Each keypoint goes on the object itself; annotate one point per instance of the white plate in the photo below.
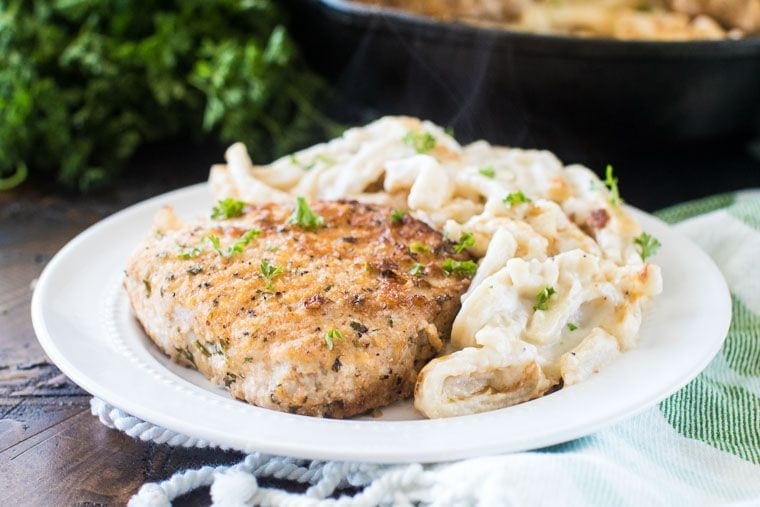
(82, 319)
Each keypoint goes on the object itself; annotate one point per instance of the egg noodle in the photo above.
(561, 282)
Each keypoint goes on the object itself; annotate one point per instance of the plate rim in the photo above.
(454, 450)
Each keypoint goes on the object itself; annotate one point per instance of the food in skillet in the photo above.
(328, 310)
(622, 19)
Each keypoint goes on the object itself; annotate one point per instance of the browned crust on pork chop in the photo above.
(267, 343)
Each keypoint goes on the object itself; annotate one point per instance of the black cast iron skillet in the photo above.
(568, 94)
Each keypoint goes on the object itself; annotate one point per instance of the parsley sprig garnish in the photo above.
(571, 326)
(542, 298)
(418, 269)
(305, 217)
(422, 142)
(190, 253)
(515, 198)
(612, 184)
(648, 245)
(227, 208)
(419, 248)
(241, 243)
(397, 216)
(466, 240)
(216, 244)
(463, 268)
(237, 247)
(330, 335)
(270, 272)
(487, 171)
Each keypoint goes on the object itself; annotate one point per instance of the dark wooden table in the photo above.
(52, 451)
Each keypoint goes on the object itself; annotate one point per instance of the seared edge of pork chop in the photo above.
(375, 284)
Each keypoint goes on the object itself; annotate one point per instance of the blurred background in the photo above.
(104, 95)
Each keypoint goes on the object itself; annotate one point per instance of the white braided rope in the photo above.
(237, 485)
(141, 430)
(589, 474)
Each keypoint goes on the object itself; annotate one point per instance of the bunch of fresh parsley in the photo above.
(83, 83)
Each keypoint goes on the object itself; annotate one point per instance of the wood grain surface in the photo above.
(52, 451)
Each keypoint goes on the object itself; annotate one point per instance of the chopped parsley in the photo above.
(227, 208)
(463, 268)
(237, 247)
(203, 350)
(422, 142)
(417, 269)
(330, 335)
(190, 253)
(305, 217)
(612, 184)
(270, 272)
(515, 198)
(397, 216)
(417, 247)
(242, 242)
(216, 243)
(487, 171)
(185, 354)
(571, 326)
(466, 240)
(648, 245)
(542, 298)
(327, 161)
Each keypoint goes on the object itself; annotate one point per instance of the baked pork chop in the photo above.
(330, 311)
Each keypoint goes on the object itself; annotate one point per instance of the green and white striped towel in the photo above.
(701, 446)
